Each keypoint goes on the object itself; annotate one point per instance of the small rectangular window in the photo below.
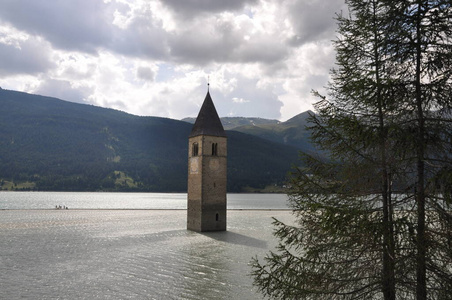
(194, 151)
(215, 149)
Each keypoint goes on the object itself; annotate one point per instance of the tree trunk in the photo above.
(421, 283)
(388, 273)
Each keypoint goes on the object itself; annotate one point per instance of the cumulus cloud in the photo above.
(239, 100)
(142, 36)
(71, 25)
(192, 8)
(145, 73)
(62, 89)
(31, 57)
(242, 93)
(313, 20)
(153, 57)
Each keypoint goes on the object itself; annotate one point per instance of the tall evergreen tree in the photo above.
(354, 237)
(345, 212)
(422, 59)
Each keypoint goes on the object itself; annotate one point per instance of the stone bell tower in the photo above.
(207, 169)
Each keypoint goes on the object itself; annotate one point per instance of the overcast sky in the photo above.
(153, 58)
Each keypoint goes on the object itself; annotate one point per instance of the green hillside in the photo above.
(234, 122)
(292, 132)
(51, 144)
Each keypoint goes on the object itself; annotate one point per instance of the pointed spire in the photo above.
(208, 122)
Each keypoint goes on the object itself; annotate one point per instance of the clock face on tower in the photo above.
(214, 164)
(194, 163)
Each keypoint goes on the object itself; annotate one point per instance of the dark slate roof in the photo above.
(208, 122)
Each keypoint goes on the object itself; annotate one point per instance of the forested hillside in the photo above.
(291, 132)
(51, 144)
(234, 122)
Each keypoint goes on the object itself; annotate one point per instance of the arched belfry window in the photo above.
(194, 150)
(215, 149)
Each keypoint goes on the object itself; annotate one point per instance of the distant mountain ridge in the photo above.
(50, 144)
(233, 122)
(291, 132)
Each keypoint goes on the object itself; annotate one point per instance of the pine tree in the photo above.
(345, 233)
(360, 214)
(422, 57)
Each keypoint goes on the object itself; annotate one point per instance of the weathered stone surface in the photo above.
(207, 173)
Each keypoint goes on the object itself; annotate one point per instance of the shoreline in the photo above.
(136, 209)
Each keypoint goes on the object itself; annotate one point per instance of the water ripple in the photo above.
(128, 255)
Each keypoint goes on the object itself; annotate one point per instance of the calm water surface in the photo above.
(128, 254)
(77, 200)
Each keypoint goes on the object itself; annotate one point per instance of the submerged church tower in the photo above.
(207, 169)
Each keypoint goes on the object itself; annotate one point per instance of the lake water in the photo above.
(126, 251)
(76, 200)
